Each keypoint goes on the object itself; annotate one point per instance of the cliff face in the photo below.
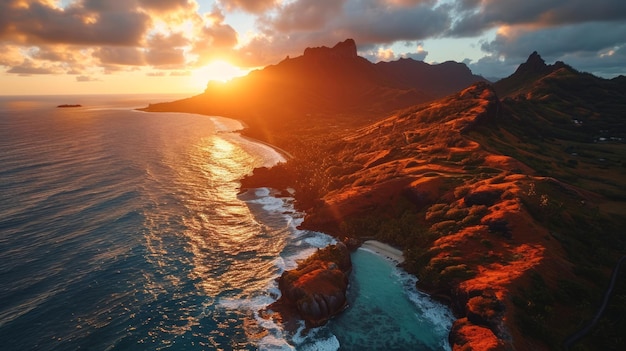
(316, 289)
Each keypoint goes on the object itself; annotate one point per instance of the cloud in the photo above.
(593, 46)
(166, 50)
(492, 67)
(180, 73)
(306, 15)
(129, 56)
(28, 68)
(372, 23)
(111, 35)
(419, 55)
(216, 41)
(557, 41)
(77, 36)
(252, 6)
(167, 5)
(388, 54)
(156, 74)
(473, 17)
(607, 63)
(39, 22)
(82, 79)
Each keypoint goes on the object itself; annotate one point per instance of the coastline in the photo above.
(381, 249)
(387, 251)
(284, 153)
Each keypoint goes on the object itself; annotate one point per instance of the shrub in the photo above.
(460, 271)
(445, 227)
(436, 212)
(457, 214)
(461, 191)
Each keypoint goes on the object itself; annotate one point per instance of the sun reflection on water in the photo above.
(203, 241)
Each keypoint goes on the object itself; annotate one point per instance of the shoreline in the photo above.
(284, 153)
(382, 249)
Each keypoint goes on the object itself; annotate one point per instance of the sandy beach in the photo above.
(384, 250)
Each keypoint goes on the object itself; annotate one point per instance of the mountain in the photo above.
(508, 201)
(436, 80)
(325, 81)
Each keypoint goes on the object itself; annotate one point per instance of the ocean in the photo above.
(126, 230)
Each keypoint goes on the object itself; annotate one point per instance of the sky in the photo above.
(177, 46)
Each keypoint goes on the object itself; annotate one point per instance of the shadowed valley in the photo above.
(508, 199)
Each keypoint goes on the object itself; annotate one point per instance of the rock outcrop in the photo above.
(316, 289)
(344, 49)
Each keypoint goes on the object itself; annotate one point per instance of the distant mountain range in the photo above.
(508, 199)
(328, 80)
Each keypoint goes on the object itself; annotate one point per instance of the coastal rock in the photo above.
(316, 289)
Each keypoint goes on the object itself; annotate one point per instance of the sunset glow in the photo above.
(216, 70)
(76, 46)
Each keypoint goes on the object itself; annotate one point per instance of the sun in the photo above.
(218, 70)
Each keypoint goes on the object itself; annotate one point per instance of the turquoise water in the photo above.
(386, 312)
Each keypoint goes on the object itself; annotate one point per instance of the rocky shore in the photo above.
(315, 291)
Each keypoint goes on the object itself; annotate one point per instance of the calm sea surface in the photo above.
(124, 230)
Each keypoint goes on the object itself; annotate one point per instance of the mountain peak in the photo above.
(344, 49)
(534, 64)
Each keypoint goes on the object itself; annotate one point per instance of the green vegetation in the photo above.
(571, 134)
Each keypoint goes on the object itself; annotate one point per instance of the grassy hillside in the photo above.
(483, 196)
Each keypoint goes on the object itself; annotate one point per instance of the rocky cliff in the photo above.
(315, 291)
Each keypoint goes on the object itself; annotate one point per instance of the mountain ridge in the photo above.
(325, 81)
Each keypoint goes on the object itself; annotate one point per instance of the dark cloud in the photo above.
(305, 15)
(608, 64)
(28, 68)
(372, 23)
(41, 23)
(387, 24)
(474, 17)
(558, 41)
(129, 56)
(595, 47)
